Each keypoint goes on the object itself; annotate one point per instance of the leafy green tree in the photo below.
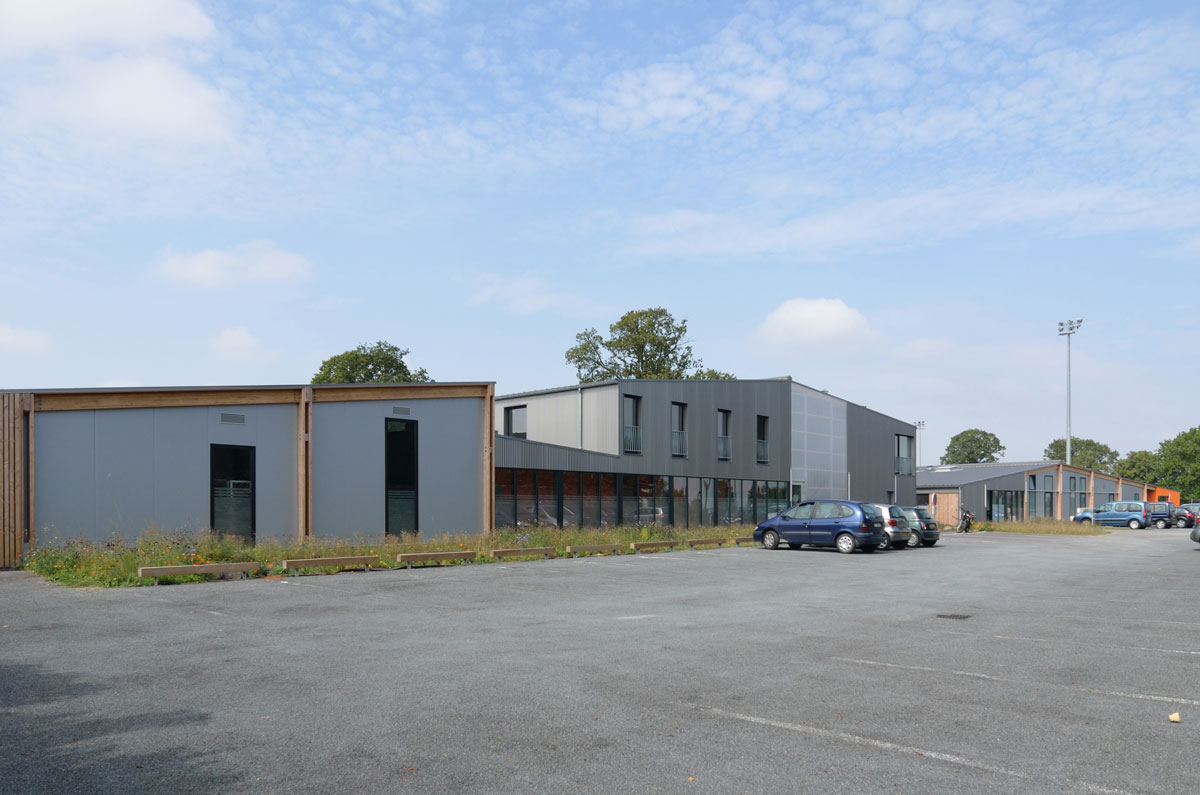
(1179, 464)
(973, 446)
(1086, 453)
(381, 363)
(1137, 465)
(644, 343)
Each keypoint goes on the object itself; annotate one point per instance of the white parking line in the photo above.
(636, 618)
(1060, 640)
(989, 677)
(953, 759)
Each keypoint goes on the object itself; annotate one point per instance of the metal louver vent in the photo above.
(233, 419)
(400, 410)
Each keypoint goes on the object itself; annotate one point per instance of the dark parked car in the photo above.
(1162, 514)
(924, 528)
(895, 524)
(825, 523)
(1185, 515)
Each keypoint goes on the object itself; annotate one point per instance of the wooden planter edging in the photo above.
(638, 546)
(545, 552)
(315, 563)
(197, 568)
(575, 550)
(742, 540)
(714, 542)
(409, 558)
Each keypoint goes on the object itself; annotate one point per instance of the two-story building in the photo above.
(690, 452)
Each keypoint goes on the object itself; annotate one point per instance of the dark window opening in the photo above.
(231, 490)
(631, 430)
(400, 476)
(515, 420)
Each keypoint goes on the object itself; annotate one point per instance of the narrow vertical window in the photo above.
(724, 442)
(760, 440)
(400, 476)
(631, 431)
(679, 440)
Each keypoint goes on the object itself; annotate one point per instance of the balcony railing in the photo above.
(761, 452)
(679, 443)
(724, 448)
(631, 439)
(904, 466)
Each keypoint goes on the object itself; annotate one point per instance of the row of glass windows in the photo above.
(565, 499)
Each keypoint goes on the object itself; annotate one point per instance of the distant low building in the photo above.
(1013, 491)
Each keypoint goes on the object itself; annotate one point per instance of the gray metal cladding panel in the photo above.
(871, 455)
(1131, 492)
(121, 471)
(348, 443)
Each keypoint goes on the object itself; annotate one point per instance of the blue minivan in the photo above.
(1131, 513)
(843, 524)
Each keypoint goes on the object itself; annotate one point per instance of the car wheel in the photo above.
(914, 540)
(1134, 524)
(930, 542)
(1161, 524)
(770, 539)
(845, 543)
(1085, 521)
(1181, 523)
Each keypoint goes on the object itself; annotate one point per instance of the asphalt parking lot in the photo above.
(732, 670)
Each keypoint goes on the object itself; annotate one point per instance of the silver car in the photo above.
(895, 524)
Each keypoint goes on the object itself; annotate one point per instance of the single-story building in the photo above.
(1025, 490)
(281, 462)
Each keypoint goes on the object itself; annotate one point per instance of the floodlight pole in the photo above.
(1066, 329)
(920, 426)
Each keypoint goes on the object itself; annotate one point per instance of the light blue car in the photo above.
(1130, 513)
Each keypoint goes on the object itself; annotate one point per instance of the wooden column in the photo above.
(16, 476)
(304, 465)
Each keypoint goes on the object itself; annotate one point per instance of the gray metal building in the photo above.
(691, 452)
(284, 463)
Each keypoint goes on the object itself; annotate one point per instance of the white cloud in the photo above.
(30, 26)
(139, 97)
(21, 340)
(258, 262)
(237, 344)
(806, 320)
(522, 295)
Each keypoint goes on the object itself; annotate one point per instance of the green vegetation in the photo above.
(644, 343)
(1045, 527)
(1086, 453)
(115, 564)
(381, 363)
(973, 446)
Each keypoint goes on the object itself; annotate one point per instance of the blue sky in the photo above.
(894, 201)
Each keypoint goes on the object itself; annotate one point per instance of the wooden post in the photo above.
(489, 467)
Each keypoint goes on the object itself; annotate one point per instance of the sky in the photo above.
(895, 201)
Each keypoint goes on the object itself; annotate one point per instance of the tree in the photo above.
(644, 343)
(973, 446)
(381, 363)
(1137, 465)
(1086, 453)
(1179, 464)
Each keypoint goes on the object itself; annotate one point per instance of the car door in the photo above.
(1105, 514)
(826, 520)
(793, 523)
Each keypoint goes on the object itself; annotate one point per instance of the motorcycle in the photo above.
(964, 522)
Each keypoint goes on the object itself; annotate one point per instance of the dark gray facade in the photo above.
(801, 442)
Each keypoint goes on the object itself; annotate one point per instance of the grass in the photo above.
(1045, 527)
(79, 563)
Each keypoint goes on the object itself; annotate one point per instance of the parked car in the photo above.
(1185, 515)
(843, 524)
(895, 524)
(649, 516)
(1195, 534)
(1130, 513)
(924, 527)
(1162, 514)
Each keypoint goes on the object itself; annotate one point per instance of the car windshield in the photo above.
(871, 512)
